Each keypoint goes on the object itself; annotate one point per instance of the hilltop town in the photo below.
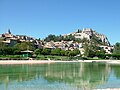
(81, 38)
(9, 39)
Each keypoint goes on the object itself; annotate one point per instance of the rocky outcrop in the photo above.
(90, 34)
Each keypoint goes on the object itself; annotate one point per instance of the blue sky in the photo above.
(39, 18)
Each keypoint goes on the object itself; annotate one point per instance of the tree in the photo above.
(50, 38)
(62, 52)
(56, 52)
(116, 48)
(25, 46)
(67, 52)
(72, 53)
(79, 31)
(76, 52)
(38, 51)
(92, 50)
(9, 51)
(86, 48)
(2, 45)
(59, 38)
(46, 51)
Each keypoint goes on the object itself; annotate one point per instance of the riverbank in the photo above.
(109, 89)
(52, 61)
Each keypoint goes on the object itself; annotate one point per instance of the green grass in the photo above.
(11, 57)
(95, 59)
(47, 57)
(63, 58)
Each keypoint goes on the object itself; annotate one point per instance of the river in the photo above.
(60, 76)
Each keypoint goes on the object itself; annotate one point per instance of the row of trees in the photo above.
(93, 50)
(60, 38)
(7, 50)
(57, 52)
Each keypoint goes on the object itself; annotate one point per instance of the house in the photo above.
(108, 49)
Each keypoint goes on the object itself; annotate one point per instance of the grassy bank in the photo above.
(12, 57)
(45, 57)
(62, 58)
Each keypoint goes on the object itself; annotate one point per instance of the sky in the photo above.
(39, 18)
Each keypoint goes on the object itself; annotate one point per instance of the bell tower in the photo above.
(9, 32)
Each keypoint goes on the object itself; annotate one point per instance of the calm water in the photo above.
(59, 76)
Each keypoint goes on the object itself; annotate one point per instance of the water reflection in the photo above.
(63, 76)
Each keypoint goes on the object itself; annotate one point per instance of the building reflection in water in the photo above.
(80, 75)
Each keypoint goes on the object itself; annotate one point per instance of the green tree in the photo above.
(71, 54)
(92, 50)
(86, 48)
(67, 52)
(50, 38)
(38, 51)
(56, 52)
(116, 48)
(59, 38)
(46, 51)
(25, 46)
(2, 45)
(9, 51)
(76, 52)
(62, 52)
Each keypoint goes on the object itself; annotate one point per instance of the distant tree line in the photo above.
(57, 52)
(60, 38)
(16, 49)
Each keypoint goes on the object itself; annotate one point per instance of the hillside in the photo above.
(91, 35)
(82, 36)
(87, 41)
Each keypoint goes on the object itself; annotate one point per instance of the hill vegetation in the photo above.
(83, 43)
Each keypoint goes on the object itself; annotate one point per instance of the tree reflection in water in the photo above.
(79, 75)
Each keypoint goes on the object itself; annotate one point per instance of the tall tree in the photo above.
(38, 51)
(86, 50)
(46, 51)
(92, 50)
(25, 46)
(116, 48)
(56, 51)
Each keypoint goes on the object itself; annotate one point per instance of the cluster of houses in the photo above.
(65, 45)
(71, 45)
(10, 39)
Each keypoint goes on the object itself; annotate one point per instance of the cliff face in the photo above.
(91, 35)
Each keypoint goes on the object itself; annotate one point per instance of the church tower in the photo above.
(9, 32)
